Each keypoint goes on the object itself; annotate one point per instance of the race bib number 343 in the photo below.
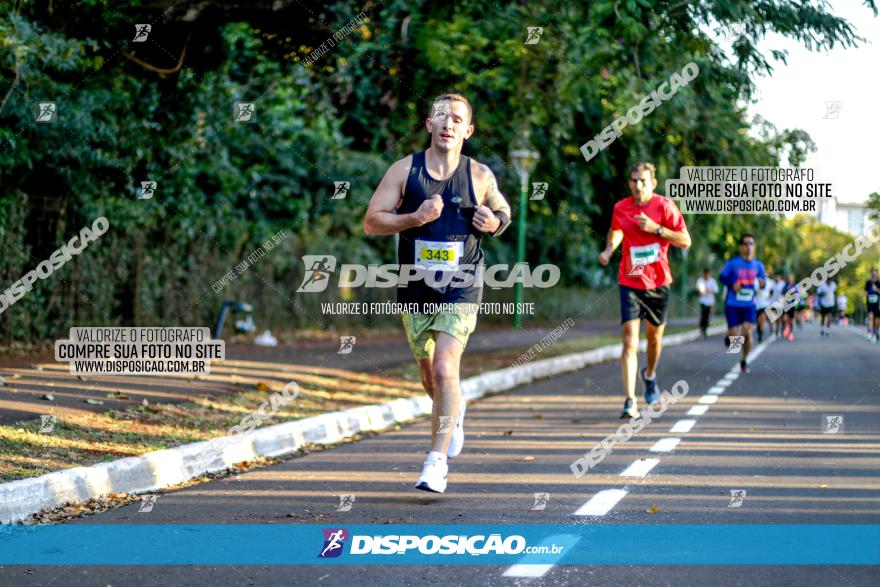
(442, 255)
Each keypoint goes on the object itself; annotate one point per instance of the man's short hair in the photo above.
(455, 98)
(641, 166)
(745, 236)
(705, 270)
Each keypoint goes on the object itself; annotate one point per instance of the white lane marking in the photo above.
(640, 468)
(527, 570)
(601, 503)
(683, 426)
(604, 501)
(665, 445)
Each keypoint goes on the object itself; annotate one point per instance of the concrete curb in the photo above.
(165, 468)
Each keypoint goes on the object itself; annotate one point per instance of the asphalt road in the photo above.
(765, 433)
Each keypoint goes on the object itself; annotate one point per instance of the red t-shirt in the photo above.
(644, 264)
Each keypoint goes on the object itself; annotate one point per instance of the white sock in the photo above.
(650, 378)
(435, 456)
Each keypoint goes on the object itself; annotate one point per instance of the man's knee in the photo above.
(444, 372)
(630, 342)
(654, 334)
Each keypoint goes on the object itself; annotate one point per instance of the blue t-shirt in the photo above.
(746, 273)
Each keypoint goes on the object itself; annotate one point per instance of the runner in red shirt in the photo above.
(646, 223)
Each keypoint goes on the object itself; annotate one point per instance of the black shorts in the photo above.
(826, 310)
(791, 312)
(874, 309)
(649, 304)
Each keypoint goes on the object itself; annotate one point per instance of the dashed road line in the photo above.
(604, 501)
(683, 426)
(601, 503)
(665, 445)
(640, 468)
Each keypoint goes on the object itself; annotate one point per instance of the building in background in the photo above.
(851, 217)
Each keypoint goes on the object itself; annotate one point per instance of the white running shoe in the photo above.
(433, 477)
(456, 443)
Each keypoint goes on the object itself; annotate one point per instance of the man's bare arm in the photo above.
(615, 237)
(493, 215)
(381, 217)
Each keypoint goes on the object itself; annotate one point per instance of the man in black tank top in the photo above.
(440, 204)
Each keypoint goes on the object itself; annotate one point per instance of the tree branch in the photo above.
(162, 70)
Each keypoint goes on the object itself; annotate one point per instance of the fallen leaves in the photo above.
(652, 510)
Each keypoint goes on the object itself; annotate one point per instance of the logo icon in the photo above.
(636, 270)
(244, 112)
(833, 108)
(147, 503)
(541, 500)
(736, 31)
(445, 424)
(47, 424)
(534, 35)
(147, 190)
(440, 110)
(46, 112)
(832, 424)
(334, 540)
(346, 344)
(736, 498)
(346, 501)
(736, 344)
(141, 32)
(539, 190)
(318, 270)
(340, 190)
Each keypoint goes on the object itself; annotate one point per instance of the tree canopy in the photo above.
(161, 110)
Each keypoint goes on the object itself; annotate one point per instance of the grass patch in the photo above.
(87, 439)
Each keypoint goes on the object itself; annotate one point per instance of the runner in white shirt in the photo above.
(827, 302)
(762, 299)
(708, 288)
(778, 290)
(842, 304)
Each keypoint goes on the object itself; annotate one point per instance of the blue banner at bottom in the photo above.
(248, 544)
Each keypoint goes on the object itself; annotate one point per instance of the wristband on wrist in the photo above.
(505, 222)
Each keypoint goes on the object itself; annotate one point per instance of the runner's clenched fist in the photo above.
(485, 220)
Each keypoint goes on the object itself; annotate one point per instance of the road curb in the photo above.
(165, 468)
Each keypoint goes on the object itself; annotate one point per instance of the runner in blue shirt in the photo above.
(742, 275)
